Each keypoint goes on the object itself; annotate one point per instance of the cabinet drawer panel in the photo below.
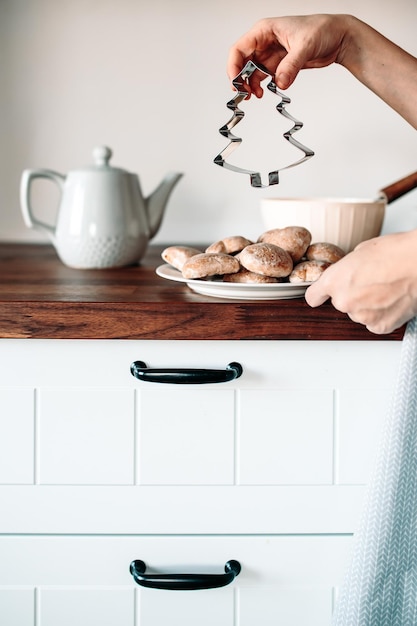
(186, 436)
(286, 606)
(360, 417)
(97, 561)
(17, 606)
(202, 608)
(180, 510)
(17, 420)
(86, 580)
(86, 607)
(266, 364)
(86, 435)
(108, 606)
(286, 437)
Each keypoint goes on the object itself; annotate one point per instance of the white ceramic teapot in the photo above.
(103, 219)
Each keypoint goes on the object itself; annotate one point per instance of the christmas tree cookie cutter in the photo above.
(238, 114)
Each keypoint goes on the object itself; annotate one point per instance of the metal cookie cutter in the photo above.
(238, 114)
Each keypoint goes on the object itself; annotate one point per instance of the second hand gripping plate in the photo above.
(238, 114)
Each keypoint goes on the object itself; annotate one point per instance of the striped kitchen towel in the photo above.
(381, 583)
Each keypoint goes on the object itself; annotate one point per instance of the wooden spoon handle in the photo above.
(400, 187)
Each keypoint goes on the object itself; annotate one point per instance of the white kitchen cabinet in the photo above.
(98, 468)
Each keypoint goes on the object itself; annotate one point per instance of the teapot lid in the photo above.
(101, 157)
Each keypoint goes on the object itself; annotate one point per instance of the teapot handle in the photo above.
(28, 177)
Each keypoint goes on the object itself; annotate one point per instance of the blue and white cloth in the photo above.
(381, 583)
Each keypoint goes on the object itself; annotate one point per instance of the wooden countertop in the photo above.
(41, 298)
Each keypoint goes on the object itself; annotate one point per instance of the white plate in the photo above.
(241, 291)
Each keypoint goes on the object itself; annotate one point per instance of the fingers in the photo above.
(237, 59)
(328, 286)
(255, 84)
(373, 320)
(239, 53)
(261, 45)
(317, 293)
(374, 307)
(285, 66)
(285, 75)
(283, 79)
(332, 284)
(378, 322)
(287, 71)
(235, 62)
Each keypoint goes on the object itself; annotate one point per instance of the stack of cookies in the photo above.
(278, 255)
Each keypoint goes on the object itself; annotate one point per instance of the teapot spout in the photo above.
(155, 203)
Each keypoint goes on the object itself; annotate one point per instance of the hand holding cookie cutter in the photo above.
(238, 114)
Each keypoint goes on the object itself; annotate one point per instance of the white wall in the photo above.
(147, 77)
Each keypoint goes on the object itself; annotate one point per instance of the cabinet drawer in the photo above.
(85, 580)
(301, 413)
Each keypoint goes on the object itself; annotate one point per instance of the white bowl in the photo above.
(341, 221)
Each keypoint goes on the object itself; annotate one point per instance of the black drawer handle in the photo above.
(184, 582)
(186, 376)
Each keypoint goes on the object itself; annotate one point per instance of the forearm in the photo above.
(385, 68)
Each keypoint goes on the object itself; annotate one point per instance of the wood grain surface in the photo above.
(42, 298)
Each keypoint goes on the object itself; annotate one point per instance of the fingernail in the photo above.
(283, 81)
